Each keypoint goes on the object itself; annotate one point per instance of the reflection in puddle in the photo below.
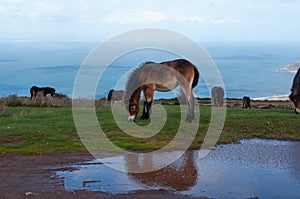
(266, 169)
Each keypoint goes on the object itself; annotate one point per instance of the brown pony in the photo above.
(163, 77)
(295, 92)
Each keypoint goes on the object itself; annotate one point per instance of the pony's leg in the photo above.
(34, 94)
(186, 88)
(191, 106)
(147, 104)
(190, 102)
(146, 110)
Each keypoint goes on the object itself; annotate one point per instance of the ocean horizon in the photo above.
(247, 68)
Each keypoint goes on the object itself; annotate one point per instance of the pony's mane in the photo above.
(133, 81)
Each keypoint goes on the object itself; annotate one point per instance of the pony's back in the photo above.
(184, 63)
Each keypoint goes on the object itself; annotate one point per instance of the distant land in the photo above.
(293, 68)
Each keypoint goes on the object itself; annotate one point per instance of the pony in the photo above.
(163, 77)
(44, 91)
(115, 95)
(246, 102)
(295, 92)
(217, 96)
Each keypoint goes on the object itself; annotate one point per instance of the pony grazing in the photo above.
(295, 92)
(164, 77)
(34, 91)
(217, 94)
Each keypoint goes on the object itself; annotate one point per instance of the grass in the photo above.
(260, 123)
(33, 130)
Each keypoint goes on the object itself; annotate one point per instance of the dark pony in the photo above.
(164, 77)
(295, 92)
(44, 91)
(246, 102)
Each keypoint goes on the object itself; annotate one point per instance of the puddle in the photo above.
(253, 168)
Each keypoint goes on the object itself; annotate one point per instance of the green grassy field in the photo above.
(33, 130)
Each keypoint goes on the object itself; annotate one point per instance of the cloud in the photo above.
(224, 20)
(217, 20)
(36, 11)
(47, 11)
(136, 17)
(25, 14)
(222, 3)
(288, 1)
(31, 19)
(155, 16)
(194, 19)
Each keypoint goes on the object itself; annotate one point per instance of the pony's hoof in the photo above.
(144, 117)
(189, 120)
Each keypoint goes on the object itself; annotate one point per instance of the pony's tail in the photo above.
(196, 77)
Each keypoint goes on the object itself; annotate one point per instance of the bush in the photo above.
(58, 100)
(13, 100)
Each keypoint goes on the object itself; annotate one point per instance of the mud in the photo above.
(252, 169)
(33, 176)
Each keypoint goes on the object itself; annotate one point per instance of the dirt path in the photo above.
(23, 176)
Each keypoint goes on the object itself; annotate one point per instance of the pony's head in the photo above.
(132, 103)
(295, 92)
(133, 109)
(132, 93)
(295, 98)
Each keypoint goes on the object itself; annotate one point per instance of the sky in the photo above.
(201, 20)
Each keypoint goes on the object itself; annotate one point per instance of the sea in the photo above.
(247, 68)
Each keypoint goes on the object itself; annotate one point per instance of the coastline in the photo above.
(273, 98)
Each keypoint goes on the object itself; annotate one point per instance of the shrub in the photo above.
(59, 100)
(13, 100)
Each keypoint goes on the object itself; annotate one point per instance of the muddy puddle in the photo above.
(252, 168)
